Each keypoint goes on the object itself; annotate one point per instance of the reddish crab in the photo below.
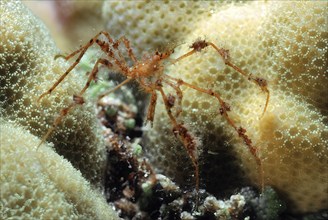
(149, 74)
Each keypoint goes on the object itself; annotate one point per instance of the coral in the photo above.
(283, 42)
(40, 184)
(265, 206)
(28, 68)
(153, 25)
(291, 137)
(224, 209)
(300, 61)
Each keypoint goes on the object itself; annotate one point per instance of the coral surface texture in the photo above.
(40, 184)
(285, 43)
(282, 42)
(27, 69)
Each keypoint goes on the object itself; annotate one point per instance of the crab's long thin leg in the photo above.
(179, 95)
(187, 138)
(262, 83)
(119, 61)
(200, 45)
(77, 100)
(184, 56)
(151, 89)
(82, 51)
(109, 48)
(151, 108)
(57, 121)
(114, 89)
(127, 46)
(62, 77)
(224, 108)
(93, 74)
(116, 43)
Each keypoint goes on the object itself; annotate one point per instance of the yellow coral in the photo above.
(153, 24)
(41, 184)
(284, 42)
(292, 136)
(28, 68)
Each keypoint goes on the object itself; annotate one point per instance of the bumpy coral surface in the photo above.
(153, 25)
(40, 184)
(283, 42)
(27, 69)
(290, 51)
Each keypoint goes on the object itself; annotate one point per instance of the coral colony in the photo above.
(210, 96)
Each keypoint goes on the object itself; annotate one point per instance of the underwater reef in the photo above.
(284, 44)
(39, 183)
(27, 69)
(94, 153)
